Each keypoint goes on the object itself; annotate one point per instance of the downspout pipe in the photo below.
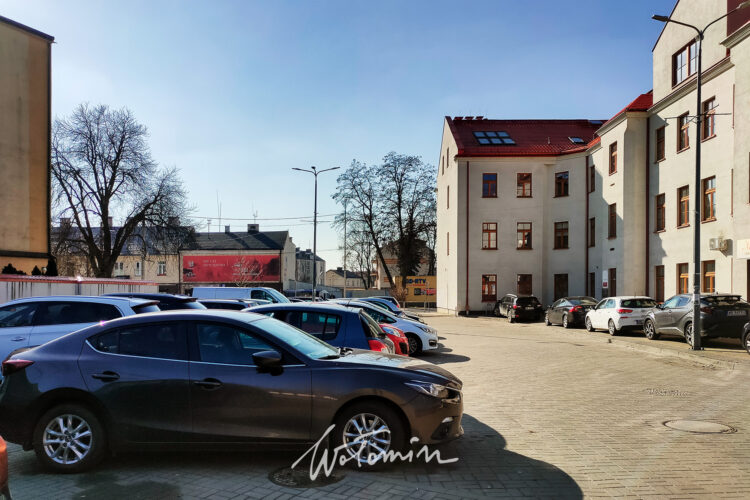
(466, 297)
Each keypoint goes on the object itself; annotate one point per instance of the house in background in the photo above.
(25, 111)
(335, 278)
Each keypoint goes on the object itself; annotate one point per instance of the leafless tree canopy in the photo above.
(393, 204)
(102, 167)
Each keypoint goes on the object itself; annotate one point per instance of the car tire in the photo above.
(83, 435)
(496, 312)
(746, 341)
(415, 344)
(565, 322)
(589, 326)
(649, 330)
(612, 329)
(688, 333)
(368, 416)
(510, 317)
(546, 319)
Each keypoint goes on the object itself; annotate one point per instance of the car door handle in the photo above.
(106, 376)
(208, 383)
(18, 339)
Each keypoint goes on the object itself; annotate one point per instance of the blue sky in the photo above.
(236, 93)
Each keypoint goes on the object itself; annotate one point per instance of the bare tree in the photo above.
(102, 168)
(360, 252)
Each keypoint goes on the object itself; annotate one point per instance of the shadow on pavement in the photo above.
(443, 355)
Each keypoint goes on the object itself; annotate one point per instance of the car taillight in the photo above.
(576, 309)
(376, 345)
(624, 311)
(515, 306)
(14, 365)
(707, 310)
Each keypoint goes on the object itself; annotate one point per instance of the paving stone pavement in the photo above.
(548, 413)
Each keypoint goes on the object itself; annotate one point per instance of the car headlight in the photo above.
(434, 390)
(424, 328)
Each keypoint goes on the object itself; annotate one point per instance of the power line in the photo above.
(255, 218)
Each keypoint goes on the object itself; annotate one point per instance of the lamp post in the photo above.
(313, 170)
(696, 326)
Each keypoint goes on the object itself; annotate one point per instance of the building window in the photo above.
(660, 150)
(561, 235)
(523, 233)
(489, 185)
(612, 222)
(493, 138)
(612, 277)
(561, 286)
(592, 232)
(612, 158)
(523, 185)
(489, 236)
(709, 199)
(561, 184)
(659, 283)
(683, 214)
(161, 268)
(592, 179)
(708, 122)
(683, 277)
(137, 268)
(524, 284)
(592, 285)
(684, 63)
(489, 287)
(683, 133)
(708, 276)
(119, 266)
(660, 212)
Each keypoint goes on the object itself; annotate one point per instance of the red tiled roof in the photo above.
(640, 103)
(532, 137)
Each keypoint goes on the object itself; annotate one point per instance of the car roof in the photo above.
(628, 297)
(161, 297)
(293, 306)
(102, 299)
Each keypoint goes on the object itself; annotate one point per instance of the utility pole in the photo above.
(344, 249)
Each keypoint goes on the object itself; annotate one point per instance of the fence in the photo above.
(17, 287)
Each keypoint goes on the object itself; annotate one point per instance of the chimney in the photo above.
(226, 229)
(253, 228)
(109, 221)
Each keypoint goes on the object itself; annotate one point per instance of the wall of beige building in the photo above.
(449, 211)
(24, 148)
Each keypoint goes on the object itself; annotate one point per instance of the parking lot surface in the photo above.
(548, 413)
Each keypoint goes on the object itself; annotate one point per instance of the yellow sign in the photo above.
(420, 288)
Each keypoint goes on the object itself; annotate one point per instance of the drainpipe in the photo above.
(586, 225)
(648, 199)
(466, 300)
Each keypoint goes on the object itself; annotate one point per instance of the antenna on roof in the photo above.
(548, 140)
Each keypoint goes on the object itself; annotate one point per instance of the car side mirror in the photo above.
(267, 360)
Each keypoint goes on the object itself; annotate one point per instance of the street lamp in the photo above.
(313, 170)
(696, 326)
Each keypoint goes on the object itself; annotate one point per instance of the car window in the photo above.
(257, 294)
(527, 301)
(294, 337)
(683, 301)
(322, 325)
(610, 304)
(146, 308)
(60, 313)
(671, 303)
(227, 344)
(17, 315)
(159, 340)
(370, 325)
(557, 303)
(722, 300)
(639, 303)
(601, 304)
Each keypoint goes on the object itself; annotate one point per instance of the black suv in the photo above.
(167, 301)
(514, 307)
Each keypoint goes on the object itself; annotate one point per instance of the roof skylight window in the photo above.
(493, 138)
(576, 140)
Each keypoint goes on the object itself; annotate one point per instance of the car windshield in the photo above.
(639, 303)
(379, 305)
(305, 343)
(146, 308)
(280, 297)
(370, 325)
(527, 301)
(582, 302)
(722, 300)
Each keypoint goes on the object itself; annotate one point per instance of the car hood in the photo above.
(394, 361)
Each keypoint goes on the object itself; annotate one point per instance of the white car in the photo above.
(617, 313)
(34, 321)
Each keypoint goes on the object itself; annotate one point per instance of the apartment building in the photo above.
(565, 207)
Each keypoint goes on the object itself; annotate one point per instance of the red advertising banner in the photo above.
(230, 268)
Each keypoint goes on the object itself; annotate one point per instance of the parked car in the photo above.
(421, 337)
(746, 337)
(390, 299)
(219, 378)
(33, 321)
(569, 311)
(399, 339)
(616, 314)
(232, 304)
(336, 325)
(514, 307)
(4, 488)
(167, 301)
(722, 315)
(230, 292)
(390, 307)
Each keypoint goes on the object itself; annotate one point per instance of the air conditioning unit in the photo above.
(717, 244)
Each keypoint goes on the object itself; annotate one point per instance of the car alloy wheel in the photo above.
(366, 437)
(689, 334)
(546, 319)
(649, 329)
(565, 321)
(746, 343)
(589, 326)
(611, 328)
(69, 438)
(415, 345)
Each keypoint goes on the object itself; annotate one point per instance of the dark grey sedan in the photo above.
(208, 378)
(722, 315)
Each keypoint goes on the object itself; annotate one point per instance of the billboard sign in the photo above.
(231, 268)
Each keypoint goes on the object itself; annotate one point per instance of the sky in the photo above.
(237, 93)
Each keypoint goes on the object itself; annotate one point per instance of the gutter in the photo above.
(466, 299)
(586, 225)
(648, 200)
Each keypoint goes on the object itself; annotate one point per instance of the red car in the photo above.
(400, 342)
(4, 490)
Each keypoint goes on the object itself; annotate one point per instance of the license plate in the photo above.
(735, 313)
(529, 308)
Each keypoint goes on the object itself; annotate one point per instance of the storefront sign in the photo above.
(230, 268)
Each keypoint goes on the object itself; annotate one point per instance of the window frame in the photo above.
(489, 232)
(683, 206)
(659, 283)
(708, 119)
(708, 277)
(689, 50)
(706, 195)
(523, 232)
(530, 284)
(683, 277)
(562, 184)
(683, 132)
(592, 178)
(660, 213)
(523, 184)
(489, 283)
(613, 158)
(592, 232)
(612, 221)
(561, 239)
(489, 185)
(660, 142)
